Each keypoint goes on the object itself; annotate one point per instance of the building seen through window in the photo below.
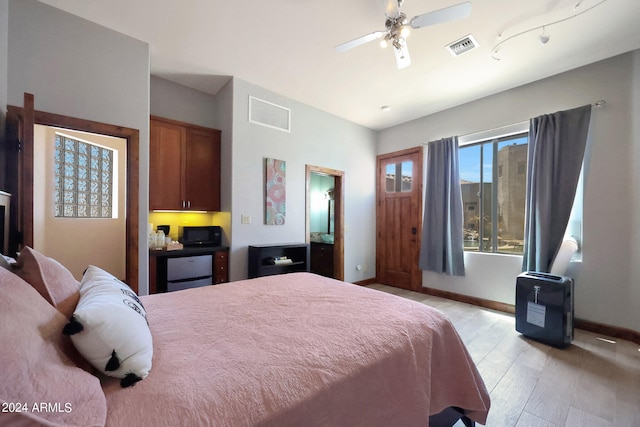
(399, 177)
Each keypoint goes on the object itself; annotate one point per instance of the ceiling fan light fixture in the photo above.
(402, 55)
(398, 27)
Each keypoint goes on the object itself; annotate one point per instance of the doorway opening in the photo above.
(325, 221)
(21, 122)
(71, 173)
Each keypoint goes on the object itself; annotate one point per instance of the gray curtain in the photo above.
(556, 150)
(442, 246)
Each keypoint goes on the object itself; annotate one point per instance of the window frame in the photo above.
(493, 137)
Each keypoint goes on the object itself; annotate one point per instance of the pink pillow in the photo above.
(50, 278)
(40, 384)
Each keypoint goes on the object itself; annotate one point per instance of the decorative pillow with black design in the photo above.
(109, 328)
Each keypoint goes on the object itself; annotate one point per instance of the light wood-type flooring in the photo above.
(594, 382)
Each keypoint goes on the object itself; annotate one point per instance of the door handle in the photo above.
(414, 230)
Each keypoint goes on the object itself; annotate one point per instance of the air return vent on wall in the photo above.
(268, 114)
(463, 45)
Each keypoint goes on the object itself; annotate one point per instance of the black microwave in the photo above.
(200, 235)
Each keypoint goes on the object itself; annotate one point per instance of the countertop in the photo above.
(187, 251)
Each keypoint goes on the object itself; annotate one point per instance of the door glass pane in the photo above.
(390, 178)
(399, 177)
(407, 176)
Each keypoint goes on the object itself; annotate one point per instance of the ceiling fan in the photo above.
(398, 28)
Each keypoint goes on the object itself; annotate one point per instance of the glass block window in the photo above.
(83, 179)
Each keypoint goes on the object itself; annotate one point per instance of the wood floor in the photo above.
(594, 382)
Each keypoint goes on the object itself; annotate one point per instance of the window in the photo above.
(493, 181)
(399, 177)
(83, 179)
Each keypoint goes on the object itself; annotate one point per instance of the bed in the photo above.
(287, 350)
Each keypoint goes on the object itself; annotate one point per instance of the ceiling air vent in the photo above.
(268, 114)
(463, 45)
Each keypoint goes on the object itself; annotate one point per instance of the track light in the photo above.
(543, 38)
(577, 10)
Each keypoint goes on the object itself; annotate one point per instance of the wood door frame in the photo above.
(25, 179)
(338, 232)
(416, 276)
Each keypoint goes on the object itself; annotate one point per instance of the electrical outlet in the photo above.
(245, 219)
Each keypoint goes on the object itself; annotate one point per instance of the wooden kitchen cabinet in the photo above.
(184, 166)
(220, 267)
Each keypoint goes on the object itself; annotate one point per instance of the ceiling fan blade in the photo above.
(360, 41)
(391, 8)
(439, 16)
(402, 56)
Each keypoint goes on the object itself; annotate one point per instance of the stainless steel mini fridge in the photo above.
(544, 308)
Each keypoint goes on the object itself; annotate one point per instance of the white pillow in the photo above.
(109, 327)
(5, 262)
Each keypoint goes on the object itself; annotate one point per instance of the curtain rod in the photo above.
(508, 129)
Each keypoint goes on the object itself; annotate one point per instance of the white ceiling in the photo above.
(287, 46)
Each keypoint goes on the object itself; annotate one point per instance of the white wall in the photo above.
(606, 280)
(80, 69)
(318, 139)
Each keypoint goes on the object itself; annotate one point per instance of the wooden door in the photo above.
(165, 165)
(398, 222)
(202, 170)
(20, 128)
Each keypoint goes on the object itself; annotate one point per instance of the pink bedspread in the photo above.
(297, 350)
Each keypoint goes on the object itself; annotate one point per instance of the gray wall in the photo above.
(607, 278)
(4, 20)
(80, 69)
(174, 101)
(316, 138)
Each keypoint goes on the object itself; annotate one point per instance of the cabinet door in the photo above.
(165, 165)
(202, 170)
(220, 267)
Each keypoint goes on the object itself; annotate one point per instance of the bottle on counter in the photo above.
(160, 243)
